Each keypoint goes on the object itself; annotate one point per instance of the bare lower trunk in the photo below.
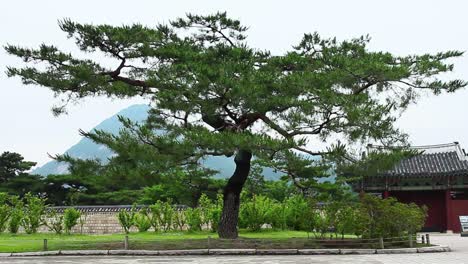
(230, 214)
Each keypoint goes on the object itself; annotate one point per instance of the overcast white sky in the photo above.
(403, 27)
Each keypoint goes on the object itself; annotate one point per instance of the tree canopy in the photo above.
(13, 165)
(213, 94)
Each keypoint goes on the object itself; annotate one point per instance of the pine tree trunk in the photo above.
(231, 200)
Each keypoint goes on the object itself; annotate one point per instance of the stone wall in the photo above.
(97, 219)
(96, 223)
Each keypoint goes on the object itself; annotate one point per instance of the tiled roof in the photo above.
(432, 164)
(105, 208)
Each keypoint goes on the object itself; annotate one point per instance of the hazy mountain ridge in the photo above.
(87, 149)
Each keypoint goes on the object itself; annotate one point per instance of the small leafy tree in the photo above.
(416, 217)
(322, 223)
(142, 221)
(70, 219)
(205, 205)
(299, 213)
(34, 211)
(256, 212)
(211, 211)
(5, 211)
(153, 214)
(214, 213)
(127, 219)
(194, 219)
(346, 220)
(179, 220)
(162, 215)
(388, 218)
(409, 218)
(167, 216)
(279, 216)
(16, 214)
(54, 221)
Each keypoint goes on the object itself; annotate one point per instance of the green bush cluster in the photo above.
(371, 216)
(388, 218)
(71, 217)
(27, 212)
(368, 217)
(30, 213)
(58, 222)
(161, 216)
(294, 213)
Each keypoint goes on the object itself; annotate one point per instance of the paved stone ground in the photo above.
(459, 255)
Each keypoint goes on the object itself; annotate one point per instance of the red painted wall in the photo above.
(435, 202)
(459, 207)
(437, 217)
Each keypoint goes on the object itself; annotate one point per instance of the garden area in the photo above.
(264, 223)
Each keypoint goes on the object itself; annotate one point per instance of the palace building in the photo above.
(437, 178)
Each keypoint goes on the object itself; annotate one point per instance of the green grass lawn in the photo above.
(152, 240)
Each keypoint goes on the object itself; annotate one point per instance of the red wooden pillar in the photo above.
(386, 194)
(448, 211)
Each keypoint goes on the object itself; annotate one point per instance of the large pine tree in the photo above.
(212, 94)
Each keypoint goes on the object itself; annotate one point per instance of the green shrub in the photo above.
(5, 211)
(415, 217)
(299, 213)
(70, 219)
(321, 223)
(126, 219)
(193, 218)
(205, 205)
(346, 220)
(279, 216)
(179, 220)
(167, 216)
(256, 212)
(16, 214)
(15, 221)
(214, 213)
(54, 222)
(34, 211)
(162, 215)
(153, 213)
(142, 221)
(211, 211)
(388, 218)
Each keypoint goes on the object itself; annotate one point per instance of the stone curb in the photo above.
(433, 249)
(397, 251)
(183, 252)
(276, 251)
(324, 251)
(134, 252)
(83, 252)
(357, 251)
(232, 251)
(39, 253)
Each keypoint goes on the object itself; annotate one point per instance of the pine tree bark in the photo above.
(231, 201)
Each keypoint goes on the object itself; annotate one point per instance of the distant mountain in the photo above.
(87, 149)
